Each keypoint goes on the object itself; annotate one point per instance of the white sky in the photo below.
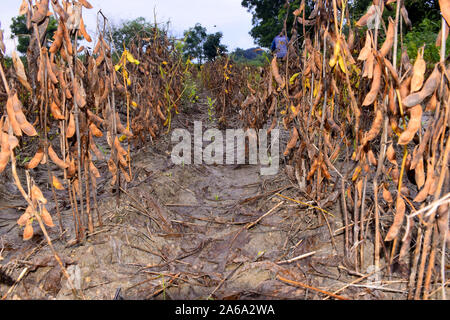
(228, 16)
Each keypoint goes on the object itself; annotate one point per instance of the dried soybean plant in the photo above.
(73, 96)
(157, 82)
(234, 85)
(79, 97)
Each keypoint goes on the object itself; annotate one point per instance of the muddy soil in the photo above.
(188, 232)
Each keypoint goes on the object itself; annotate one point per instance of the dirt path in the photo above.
(183, 232)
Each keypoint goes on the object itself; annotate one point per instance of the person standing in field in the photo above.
(279, 46)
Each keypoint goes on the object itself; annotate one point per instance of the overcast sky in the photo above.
(228, 16)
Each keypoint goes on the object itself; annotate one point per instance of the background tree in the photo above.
(127, 30)
(212, 46)
(418, 10)
(194, 40)
(19, 30)
(268, 18)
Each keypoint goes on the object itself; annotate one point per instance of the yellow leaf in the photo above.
(337, 49)
(292, 79)
(131, 58)
(57, 184)
(117, 67)
(122, 138)
(129, 82)
(294, 111)
(316, 89)
(356, 173)
(134, 104)
(341, 64)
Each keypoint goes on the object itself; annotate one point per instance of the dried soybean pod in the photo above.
(79, 94)
(392, 105)
(420, 67)
(25, 126)
(387, 195)
(367, 50)
(404, 87)
(72, 168)
(96, 119)
(415, 122)
(423, 194)
(376, 83)
(292, 142)
(125, 174)
(376, 127)
(371, 157)
(398, 219)
(432, 104)
(56, 160)
(36, 194)
(420, 174)
(276, 73)
(56, 111)
(389, 42)
(12, 116)
(57, 184)
(390, 154)
(95, 131)
(71, 126)
(40, 12)
(28, 231)
(67, 39)
(94, 149)
(23, 8)
(84, 32)
(5, 154)
(445, 10)
(34, 162)
(365, 18)
(20, 71)
(94, 170)
(439, 37)
(85, 4)
(47, 218)
(160, 114)
(442, 220)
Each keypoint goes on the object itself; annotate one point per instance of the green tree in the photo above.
(212, 46)
(194, 40)
(125, 32)
(269, 16)
(418, 10)
(19, 30)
